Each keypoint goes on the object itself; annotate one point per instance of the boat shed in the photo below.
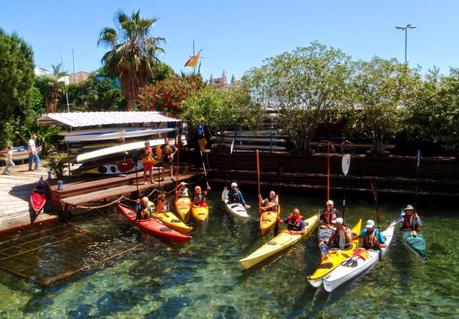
(78, 120)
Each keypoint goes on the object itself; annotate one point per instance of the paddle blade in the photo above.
(346, 163)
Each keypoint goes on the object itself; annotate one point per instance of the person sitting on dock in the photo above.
(372, 237)
(143, 209)
(270, 203)
(235, 195)
(183, 190)
(409, 220)
(294, 221)
(200, 196)
(148, 160)
(341, 236)
(328, 215)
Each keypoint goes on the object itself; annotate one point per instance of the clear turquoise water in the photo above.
(202, 279)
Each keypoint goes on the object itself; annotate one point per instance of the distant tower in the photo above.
(233, 80)
(211, 80)
(224, 79)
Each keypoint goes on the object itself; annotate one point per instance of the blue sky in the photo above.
(237, 35)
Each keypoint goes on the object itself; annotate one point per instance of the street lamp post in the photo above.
(405, 28)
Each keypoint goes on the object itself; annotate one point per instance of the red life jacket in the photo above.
(294, 221)
(409, 222)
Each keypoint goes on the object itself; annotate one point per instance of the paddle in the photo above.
(280, 169)
(204, 169)
(328, 170)
(375, 197)
(345, 164)
(258, 183)
(418, 168)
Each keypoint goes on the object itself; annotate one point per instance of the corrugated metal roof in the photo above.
(87, 119)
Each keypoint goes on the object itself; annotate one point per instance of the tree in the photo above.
(308, 86)
(380, 90)
(167, 95)
(221, 109)
(433, 114)
(133, 54)
(16, 80)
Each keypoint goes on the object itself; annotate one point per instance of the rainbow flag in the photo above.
(193, 61)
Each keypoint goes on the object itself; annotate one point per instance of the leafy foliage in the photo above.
(380, 89)
(133, 55)
(308, 86)
(168, 94)
(16, 80)
(221, 109)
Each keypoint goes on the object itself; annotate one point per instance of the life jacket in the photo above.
(327, 219)
(199, 199)
(200, 131)
(370, 241)
(409, 222)
(234, 197)
(294, 223)
(184, 192)
(148, 157)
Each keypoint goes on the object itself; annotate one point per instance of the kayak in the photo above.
(284, 240)
(361, 261)
(334, 258)
(200, 213)
(416, 244)
(171, 220)
(37, 201)
(267, 221)
(235, 209)
(153, 226)
(183, 206)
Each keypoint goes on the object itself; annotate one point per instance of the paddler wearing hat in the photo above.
(409, 220)
(235, 195)
(183, 190)
(372, 237)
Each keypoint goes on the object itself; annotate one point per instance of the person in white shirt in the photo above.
(9, 164)
(33, 155)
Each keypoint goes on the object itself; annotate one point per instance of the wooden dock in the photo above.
(84, 193)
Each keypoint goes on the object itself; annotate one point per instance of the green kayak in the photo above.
(416, 244)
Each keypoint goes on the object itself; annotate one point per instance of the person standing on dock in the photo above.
(33, 154)
(235, 195)
(9, 164)
(148, 160)
(168, 153)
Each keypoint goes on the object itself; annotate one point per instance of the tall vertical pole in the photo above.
(406, 44)
(194, 68)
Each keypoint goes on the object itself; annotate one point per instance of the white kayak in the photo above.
(235, 209)
(361, 261)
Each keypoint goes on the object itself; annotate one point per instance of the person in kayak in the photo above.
(161, 203)
(270, 203)
(328, 215)
(294, 221)
(142, 209)
(409, 220)
(235, 195)
(200, 196)
(372, 237)
(183, 190)
(341, 236)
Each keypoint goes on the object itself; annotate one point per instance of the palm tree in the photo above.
(133, 54)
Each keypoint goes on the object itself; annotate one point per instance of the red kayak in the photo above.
(37, 201)
(153, 226)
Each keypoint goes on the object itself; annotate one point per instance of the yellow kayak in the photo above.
(171, 220)
(284, 240)
(335, 258)
(199, 213)
(183, 206)
(267, 221)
